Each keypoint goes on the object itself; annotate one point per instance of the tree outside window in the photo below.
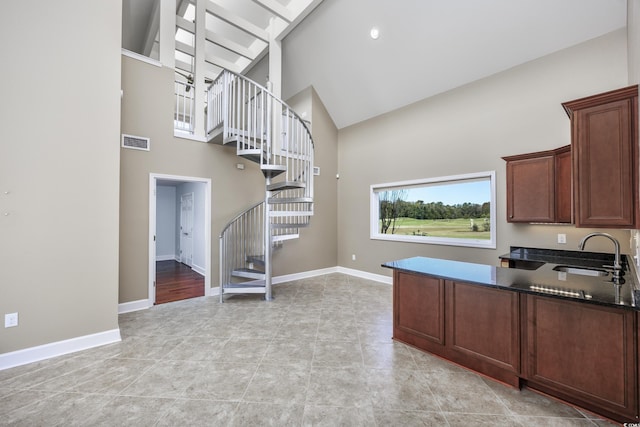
(456, 210)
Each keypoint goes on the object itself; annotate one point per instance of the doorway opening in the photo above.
(179, 238)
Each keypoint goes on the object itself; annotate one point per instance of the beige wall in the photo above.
(316, 247)
(59, 161)
(147, 110)
(468, 130)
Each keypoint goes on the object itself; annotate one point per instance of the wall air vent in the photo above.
(135, 142)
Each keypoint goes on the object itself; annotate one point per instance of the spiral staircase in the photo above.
(264, 130)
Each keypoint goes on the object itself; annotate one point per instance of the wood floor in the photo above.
(176, 281)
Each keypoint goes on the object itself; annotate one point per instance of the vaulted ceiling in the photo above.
(237, 32)
(425, 47)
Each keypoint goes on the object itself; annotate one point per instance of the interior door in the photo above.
(186, 229)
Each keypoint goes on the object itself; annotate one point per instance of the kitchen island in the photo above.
(570, 335)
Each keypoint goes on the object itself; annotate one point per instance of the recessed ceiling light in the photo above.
(375, 33)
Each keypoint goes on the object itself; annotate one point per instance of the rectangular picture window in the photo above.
(453, 210)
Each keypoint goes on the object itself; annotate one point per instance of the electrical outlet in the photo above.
(353, 257)
(562, 238)
(10, 320)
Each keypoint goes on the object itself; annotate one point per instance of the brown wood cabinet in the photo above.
(478, 327)
(539, 186)
(582, 353)
(604, 139)
(585, 354)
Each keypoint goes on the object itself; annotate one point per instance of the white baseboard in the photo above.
(171, 257)
(366, 275)
(303, 275)
(350, 271)
(47, 351)
(127, 307)
(198, 269)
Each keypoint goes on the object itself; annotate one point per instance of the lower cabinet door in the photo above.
(483, 330)
(583, 353)
(418, 312)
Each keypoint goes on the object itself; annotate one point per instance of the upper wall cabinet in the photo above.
(539, 186)
(604, 145)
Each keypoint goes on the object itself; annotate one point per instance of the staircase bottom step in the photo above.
(283, 237)
(243, 289)
(248, 273)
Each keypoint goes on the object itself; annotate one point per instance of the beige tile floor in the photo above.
(319, 354)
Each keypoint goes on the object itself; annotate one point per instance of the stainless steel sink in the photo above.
(581, 271)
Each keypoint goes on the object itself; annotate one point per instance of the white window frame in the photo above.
(376, 189)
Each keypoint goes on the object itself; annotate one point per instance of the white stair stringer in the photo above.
(267, 131)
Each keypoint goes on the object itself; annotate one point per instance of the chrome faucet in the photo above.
(617, 267)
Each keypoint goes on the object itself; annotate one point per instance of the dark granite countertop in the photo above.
(542, 281)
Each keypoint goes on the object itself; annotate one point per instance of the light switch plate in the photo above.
(10, 320)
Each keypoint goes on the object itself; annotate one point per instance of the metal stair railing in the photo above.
(268, 131)
(241, 238)
(240, 107)
(244, 109)
(295, 149)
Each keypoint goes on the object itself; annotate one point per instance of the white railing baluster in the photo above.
(184, 106)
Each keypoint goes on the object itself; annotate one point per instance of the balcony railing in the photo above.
(248, 114)
(183, 118)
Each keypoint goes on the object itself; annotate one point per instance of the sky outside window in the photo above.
(478, 192)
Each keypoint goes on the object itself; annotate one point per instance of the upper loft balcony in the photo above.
(203, 38)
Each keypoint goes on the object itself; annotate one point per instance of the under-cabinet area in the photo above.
(568, 339)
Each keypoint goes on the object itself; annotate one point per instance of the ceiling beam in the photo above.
(300, 9)
(183, 66)
(188, 26)
(181, 7)
(185, 48)
(237, 21)
(223, 63)
(211, 71)
(230, 45)
(286, 19)
(216, 39)
(261, 53)
(277, 9)
(152, 29)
